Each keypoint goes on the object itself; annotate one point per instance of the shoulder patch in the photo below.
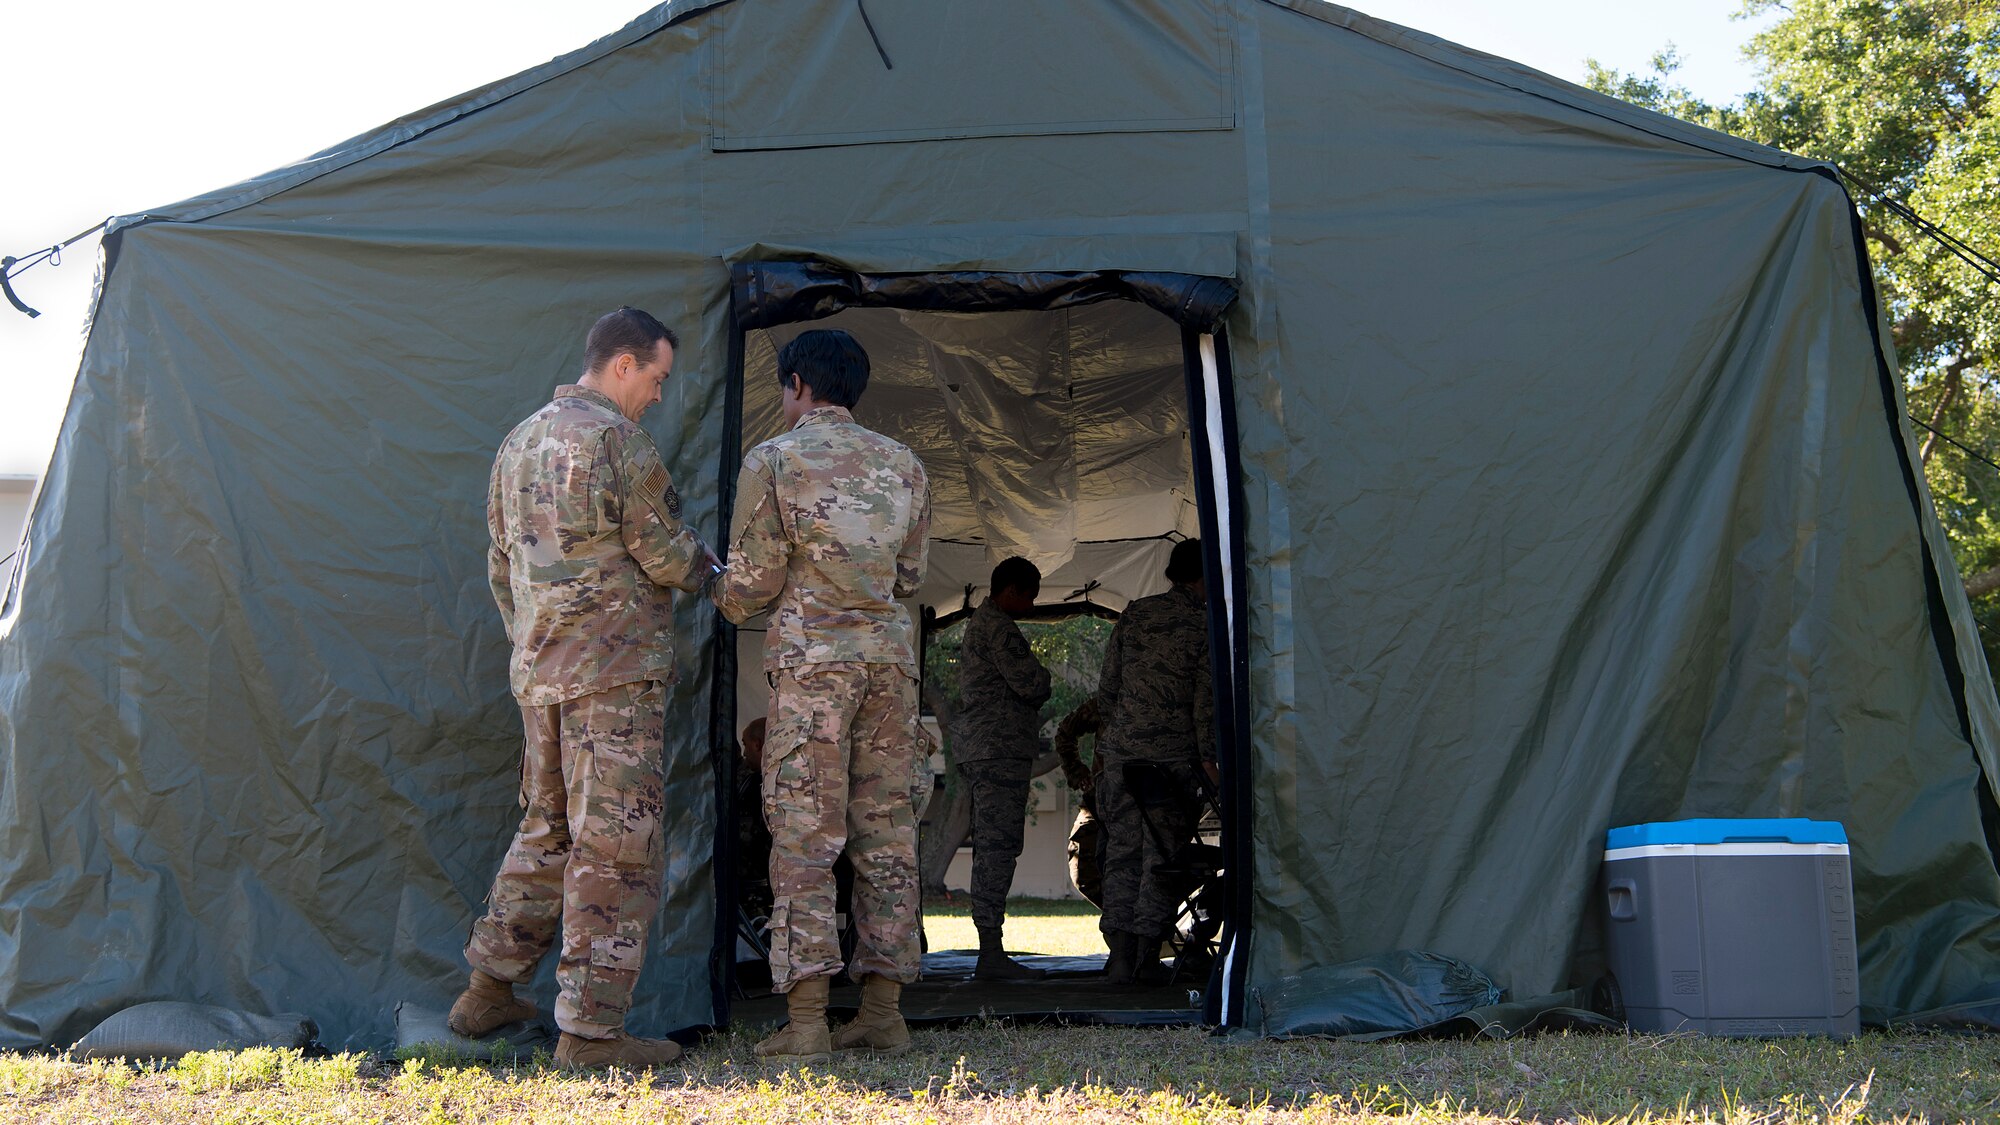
(656, 490)
(655, 482)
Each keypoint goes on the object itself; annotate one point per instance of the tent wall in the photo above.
(1570, 492)
(258, 737)
(1577, 503)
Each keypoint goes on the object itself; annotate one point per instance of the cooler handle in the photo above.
(1624, 900)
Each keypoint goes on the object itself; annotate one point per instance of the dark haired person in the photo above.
(1001, 689)
(831, 526)
(587, 547)
(1157, 705)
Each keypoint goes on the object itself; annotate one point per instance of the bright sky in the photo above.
(116, 106)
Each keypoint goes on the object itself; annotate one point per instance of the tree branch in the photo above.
(1954, 378)
(1982, 584)
(1887, 240)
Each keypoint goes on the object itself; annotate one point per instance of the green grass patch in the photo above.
(1034, 925)
(1000, 1073)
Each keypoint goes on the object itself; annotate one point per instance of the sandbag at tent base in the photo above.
(169, 1029)
(424, 1029)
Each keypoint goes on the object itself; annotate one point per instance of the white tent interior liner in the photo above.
(1060, 436)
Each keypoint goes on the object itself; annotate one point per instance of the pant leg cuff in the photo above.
(590, 1030)
(509, 971)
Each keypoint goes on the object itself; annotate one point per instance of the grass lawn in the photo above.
(1034, 925)
(996, 1073)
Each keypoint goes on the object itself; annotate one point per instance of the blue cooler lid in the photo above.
(1788, 830)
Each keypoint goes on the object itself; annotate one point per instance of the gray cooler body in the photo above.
(1733, 930)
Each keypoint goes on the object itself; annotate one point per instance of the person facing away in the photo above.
(587, 545)
(831, 526)
(1157, 705)
(1001, 689)
(753, 839)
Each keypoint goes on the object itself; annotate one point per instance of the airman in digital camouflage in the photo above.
(1086, 838)
(1001, 689)
(831, 525)
(1157, 705)
(587, 545)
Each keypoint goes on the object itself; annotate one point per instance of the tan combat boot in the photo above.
(486, 1005)
(621, 1050)
(878, 1028)
(805, 1038)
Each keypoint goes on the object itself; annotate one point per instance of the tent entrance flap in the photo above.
(1068, 418)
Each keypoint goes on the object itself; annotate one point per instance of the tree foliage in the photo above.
(1900, 94)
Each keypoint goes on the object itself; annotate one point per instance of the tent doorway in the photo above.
(1065, 419)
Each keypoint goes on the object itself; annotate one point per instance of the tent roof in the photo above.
(1478, 64)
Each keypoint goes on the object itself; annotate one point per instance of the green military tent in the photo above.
(1550, 452)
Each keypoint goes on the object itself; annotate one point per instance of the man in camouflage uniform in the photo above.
(1158, 706)
(1001, 689)
(587, 542)
(831, 524)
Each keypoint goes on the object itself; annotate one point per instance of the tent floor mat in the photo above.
(1073, 992)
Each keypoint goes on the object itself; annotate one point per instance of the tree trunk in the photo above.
(1954, 378)
(1982, 584)
(945, 829)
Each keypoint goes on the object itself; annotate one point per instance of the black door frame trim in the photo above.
(1197, 304)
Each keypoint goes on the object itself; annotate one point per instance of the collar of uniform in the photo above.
(1186, 592)
(578, 390)
(820, 415)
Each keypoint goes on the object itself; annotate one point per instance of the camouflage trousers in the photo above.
(1086, 853)
(588, 856)
(999, 791)
(1138, 897)
(843, 759)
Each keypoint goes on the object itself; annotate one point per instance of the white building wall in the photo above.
(15, 492)
(1043, 869)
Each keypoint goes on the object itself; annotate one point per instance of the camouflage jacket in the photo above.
(586, 538)
(1084, 720)
(1001, 689)
(832, 523)
(1154, 692)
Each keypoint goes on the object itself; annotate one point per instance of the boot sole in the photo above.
(821, 1056)
(487, 1029)
(898, 1049)
(574, 1063)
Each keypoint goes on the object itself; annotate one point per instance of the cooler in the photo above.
(1733, 927)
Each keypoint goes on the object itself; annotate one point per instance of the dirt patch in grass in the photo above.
(1005, 1074)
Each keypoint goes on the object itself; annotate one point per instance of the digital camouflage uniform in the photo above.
(586, 540)
(1001, 689)
(831, 524)
(1157, 704)
(1086, 837)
